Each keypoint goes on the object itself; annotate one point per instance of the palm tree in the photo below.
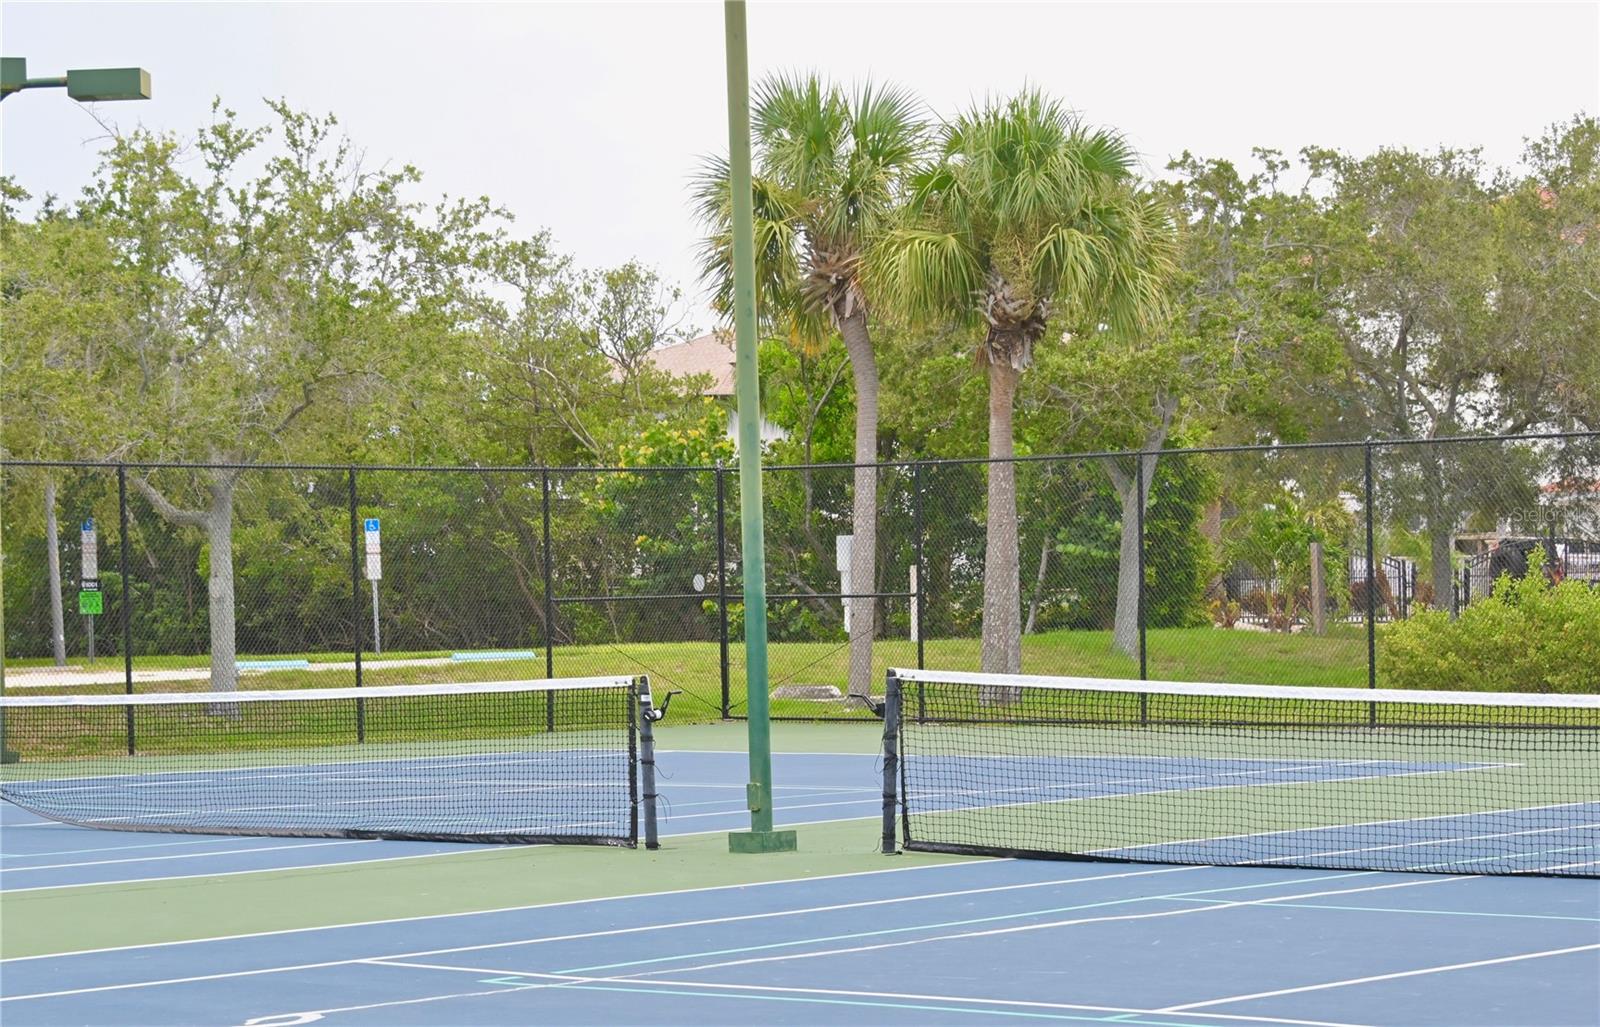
(829, 166)
(1026, 220)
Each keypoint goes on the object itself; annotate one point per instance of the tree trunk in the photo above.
(1125, 625)
(52, 536)
(1441, 532)
(1444, 572)
(864, 514)
(219, 535)
(217, 522)
(1002, 630)
(1038, 585)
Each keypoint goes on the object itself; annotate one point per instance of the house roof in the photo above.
(708, 355)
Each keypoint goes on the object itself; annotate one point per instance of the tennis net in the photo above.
(507, 761)
(1167, 772)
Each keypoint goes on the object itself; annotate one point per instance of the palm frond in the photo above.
(927, 275)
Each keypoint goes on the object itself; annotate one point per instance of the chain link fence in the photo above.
(1275, 565)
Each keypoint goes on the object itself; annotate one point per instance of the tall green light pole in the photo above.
(85, 85)
(761, 837)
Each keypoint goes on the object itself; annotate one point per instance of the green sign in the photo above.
(91, 603)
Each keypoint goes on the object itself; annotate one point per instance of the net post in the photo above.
(922, 568)
(722, 585)
(891, 760)
(355, 593)
(647, 763)
(127, 605)
(1372, 588)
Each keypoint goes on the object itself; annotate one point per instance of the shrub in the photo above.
(1527, 636)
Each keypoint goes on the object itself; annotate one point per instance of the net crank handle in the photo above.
(655, 713)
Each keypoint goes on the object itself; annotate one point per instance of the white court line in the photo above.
(1414, 867)
(1380, 977)
(969, 807)
(501, 909)
(572, 980)
(467, 847)
(218, 839)
(498, 756)
(1420, 910)
(1364, 823)
(1186, 763)
(288, 869)
(1024, 928)
(119, 882)
(187, 855)
(669, 817)
(580, 936)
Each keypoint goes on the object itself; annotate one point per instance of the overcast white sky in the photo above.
(588, 119)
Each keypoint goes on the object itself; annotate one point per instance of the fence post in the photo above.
(1553, 564)
(355, 596)
(921, 613)
(1139, 498)
(549, 594)
(722, 586)
(1372, 588)
(127, 607)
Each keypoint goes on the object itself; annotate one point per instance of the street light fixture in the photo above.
(86, 85)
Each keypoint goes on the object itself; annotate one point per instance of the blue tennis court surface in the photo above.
(1538, 840)
(986, 941)
(701, 791)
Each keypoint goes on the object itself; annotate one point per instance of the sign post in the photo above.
(374, 575)
(90, 600)
(841, 561)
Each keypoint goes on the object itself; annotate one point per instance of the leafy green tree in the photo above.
(1274, 539)
(828, 171)
(1027, 219)
(259, 304)
(1444, 312)
(59, 298)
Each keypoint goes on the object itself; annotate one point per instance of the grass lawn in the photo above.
(1182, 654)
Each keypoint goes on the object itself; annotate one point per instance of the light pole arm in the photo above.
(86, 85)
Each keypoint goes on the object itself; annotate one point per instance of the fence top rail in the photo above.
(537, 469)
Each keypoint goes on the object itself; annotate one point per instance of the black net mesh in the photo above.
(1233, 774)
(510, 761)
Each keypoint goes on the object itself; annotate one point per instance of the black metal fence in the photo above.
(1277, 564)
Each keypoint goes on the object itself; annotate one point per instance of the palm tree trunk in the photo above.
(1002, 630)
(52, 536)
(864, 515)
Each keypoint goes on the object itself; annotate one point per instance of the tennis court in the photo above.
(134, 926)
